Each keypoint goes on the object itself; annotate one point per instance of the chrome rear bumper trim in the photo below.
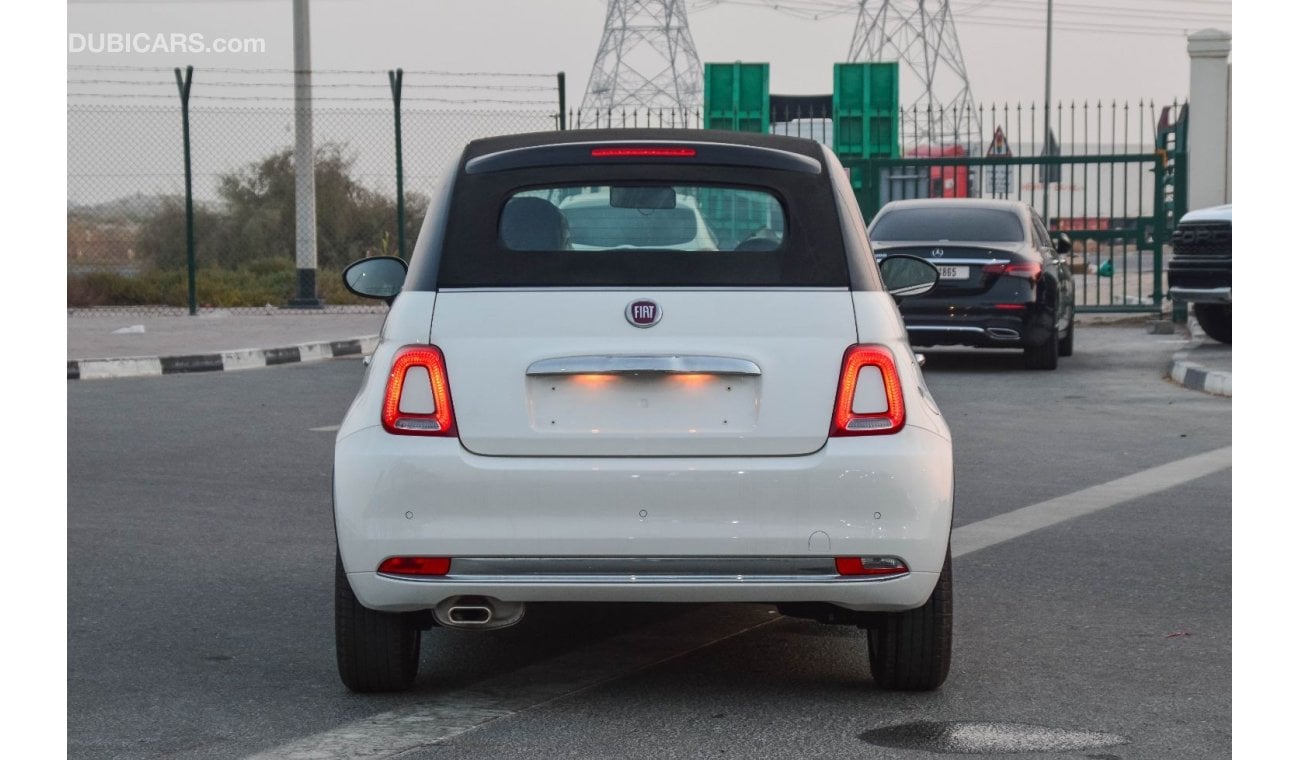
(996, 333)
(643, 365)
(1203, 295)
(656, 570)
(944, 328)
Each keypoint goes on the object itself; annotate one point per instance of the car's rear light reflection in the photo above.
(875, 566)
(416, 566)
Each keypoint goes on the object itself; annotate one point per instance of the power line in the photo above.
(376, 72)
(267, 99)
(1093, 9)
(1074, 26)
(327, 85)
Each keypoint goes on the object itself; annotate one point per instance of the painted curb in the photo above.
(227, 361)
(1195, 377)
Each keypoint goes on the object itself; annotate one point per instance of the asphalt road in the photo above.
(200, 571)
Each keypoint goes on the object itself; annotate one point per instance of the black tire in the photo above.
(1043, 355)
(1065, 347)
(376, 651)
(1216, 320)
(912, 650)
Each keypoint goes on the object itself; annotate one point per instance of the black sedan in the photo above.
(1003, 281)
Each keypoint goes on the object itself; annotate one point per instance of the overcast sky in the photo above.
(1108, 49)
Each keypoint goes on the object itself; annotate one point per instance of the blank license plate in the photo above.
(953, 273)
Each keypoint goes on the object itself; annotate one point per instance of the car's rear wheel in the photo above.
(1215, 319)
(912, 650)
(1043, 355)
(1065, 347)
(376, 651)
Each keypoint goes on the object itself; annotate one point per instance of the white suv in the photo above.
(652, 415)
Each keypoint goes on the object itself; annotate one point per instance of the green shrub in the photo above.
(261, 283)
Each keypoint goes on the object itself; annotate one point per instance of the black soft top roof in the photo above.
(460, 245)
(799, 145)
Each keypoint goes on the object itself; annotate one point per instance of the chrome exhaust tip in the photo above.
(478, 612)
(469, 614)
(1003, 333)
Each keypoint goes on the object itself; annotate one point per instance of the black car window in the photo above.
(630, 217)
(941, 223)
(1041, 238)
(638, 225)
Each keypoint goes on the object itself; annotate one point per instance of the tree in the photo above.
(255, 218)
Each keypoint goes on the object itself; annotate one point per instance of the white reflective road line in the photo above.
(1018, 522)
(326, 429)
(432, 721)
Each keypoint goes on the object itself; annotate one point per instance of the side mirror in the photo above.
(908, 276)
(377, 277)
(1064, 244)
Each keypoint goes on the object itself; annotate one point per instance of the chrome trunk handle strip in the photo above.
(643, 365)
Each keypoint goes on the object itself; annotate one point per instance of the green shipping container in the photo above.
(736, 96)
(865, 110)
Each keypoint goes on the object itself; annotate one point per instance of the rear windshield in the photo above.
(640, 225)
(985, 225)
(642, 217)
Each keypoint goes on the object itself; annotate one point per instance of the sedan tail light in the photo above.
(1028, 270)
(417, 400)
(870, 397)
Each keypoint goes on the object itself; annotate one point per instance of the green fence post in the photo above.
(1158, 231)
(559, 83)
(395, 85)
(183, 85)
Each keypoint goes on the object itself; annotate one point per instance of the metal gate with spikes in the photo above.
(1117, 200)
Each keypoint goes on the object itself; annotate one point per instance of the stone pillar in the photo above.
(1209, 128)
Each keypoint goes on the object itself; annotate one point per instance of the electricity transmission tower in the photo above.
(922, 37)
(647, 59)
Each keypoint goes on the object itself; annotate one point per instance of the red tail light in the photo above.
(886, 413)
(1027, 270)
(638, 152)
(417, 400)
(421, 566)
(870, 566)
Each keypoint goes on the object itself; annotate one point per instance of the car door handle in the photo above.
(643, 365)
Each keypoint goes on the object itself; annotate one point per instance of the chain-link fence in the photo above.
(127, 245)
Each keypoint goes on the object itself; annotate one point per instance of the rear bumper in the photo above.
(707, 516)
(1201, 294)
(981, 326)
(400, 595)
(1201, 279)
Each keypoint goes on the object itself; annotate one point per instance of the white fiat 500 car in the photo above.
(650, 414)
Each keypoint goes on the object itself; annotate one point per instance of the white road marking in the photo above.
(1018, 522)
(325, 429)
(433, 721)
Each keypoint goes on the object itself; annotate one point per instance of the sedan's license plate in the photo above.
(952, 273)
